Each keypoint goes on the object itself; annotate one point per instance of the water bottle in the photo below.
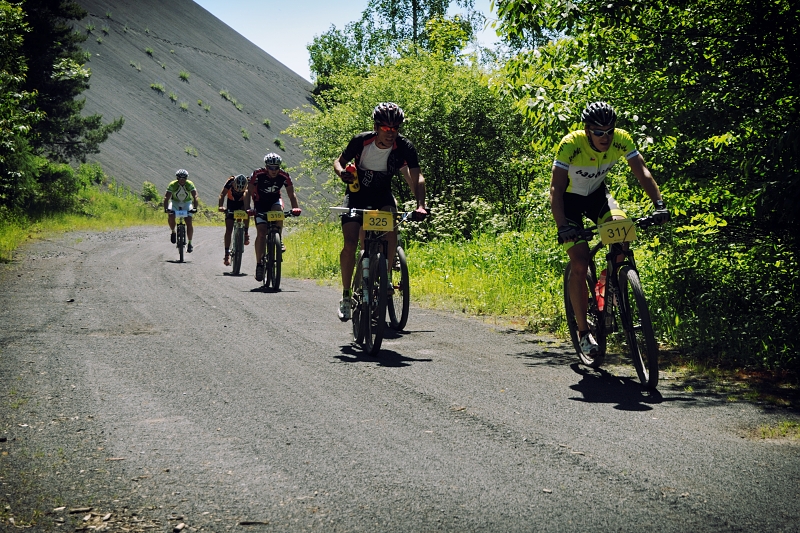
(600, 291)
(355, 186)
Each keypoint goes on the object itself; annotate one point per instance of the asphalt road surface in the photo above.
(140, 394)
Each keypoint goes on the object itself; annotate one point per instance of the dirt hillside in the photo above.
(195, 58)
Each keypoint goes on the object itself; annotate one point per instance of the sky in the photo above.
(283, 28)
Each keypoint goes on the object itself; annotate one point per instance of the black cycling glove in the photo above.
(661, 214)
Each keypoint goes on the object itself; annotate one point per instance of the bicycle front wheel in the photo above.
(400, 300)
(275, 262)
(593, 318)
(181, 241)
(356, 303)
(238, 249)
(638, 327)
(375, 320)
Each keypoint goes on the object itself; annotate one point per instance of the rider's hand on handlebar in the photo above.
(661, 214)
(221, 209)
(251, 212)
(347, 177)
(567, 233)
(296, 211)
(419, 214)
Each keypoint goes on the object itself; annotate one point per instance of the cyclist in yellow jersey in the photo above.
(578, 189)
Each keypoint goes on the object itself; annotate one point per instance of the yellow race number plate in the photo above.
(274, 216)
(617, 231)
(240, 215)
(378, 220)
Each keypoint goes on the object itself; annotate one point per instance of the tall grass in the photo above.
(100, 208)
(514, 275)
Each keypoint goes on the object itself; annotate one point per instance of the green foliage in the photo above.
(245, 134)
(266, 122)
(150, 192)
(279, 143)
(388, 29)
(191, 150)
(184, 106)
(173, 97)
(184, 76)
(157, 87)
(464, 133)
(57, 76)
(709, 91)
(148, 51)
(137, 66)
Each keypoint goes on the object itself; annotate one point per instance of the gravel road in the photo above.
(140, 394)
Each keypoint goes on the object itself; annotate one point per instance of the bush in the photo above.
(150, 192)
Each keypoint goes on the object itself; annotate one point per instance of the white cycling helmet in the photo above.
(272, 159)
(240, 183)
(181, 173)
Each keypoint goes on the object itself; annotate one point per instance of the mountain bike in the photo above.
(400, 300)
(273, 252)
(180, 229)
(237, 246)
(622, 303)
(370, 280)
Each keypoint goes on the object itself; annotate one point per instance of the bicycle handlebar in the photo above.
(403, 216)
(644, 223)
(172, 211)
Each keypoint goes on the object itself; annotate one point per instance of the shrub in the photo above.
(245, 134)
(150, 192)
(89, 28)
(157, 87)
(279, 143)
(267, 122)
(191, 150)
(184, 106)
(173, 97)
(148, 51)
(184, 75)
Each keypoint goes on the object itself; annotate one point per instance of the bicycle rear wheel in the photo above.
(181, 241)
(400, 300)
(375, 320)
(356, 303)
(238, 249)
(276, 259)
(594, 319)
(638, 327)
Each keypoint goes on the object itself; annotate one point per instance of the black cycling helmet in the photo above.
(239, 183)
(388, 114)
(272, 160)
(599, 114)
(181, 173)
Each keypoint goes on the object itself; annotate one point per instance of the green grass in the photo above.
(489, 275)
(99, 209)
(787, 429)
(184, 75)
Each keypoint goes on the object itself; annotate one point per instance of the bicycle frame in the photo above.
(623, 293)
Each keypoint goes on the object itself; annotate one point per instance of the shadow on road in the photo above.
(599, 386)
(388, 358)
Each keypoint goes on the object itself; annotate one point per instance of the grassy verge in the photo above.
(98, 208)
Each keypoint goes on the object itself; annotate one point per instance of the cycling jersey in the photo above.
(587, 168)
(376, 166)
(235, 198)
(267, 190)
(181, 193)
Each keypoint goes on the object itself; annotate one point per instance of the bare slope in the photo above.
(138, 43)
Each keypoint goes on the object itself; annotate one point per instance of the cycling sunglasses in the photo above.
(273, 167)
(389, 128)
(603, 133)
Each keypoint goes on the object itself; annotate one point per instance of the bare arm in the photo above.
(167, 197)
(558, 185)
(292, 196)
(416, 182)
(646, 179)
(194, 198)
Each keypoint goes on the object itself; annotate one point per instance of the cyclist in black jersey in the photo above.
(379, 155)
(578, 189)
(233, 191)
